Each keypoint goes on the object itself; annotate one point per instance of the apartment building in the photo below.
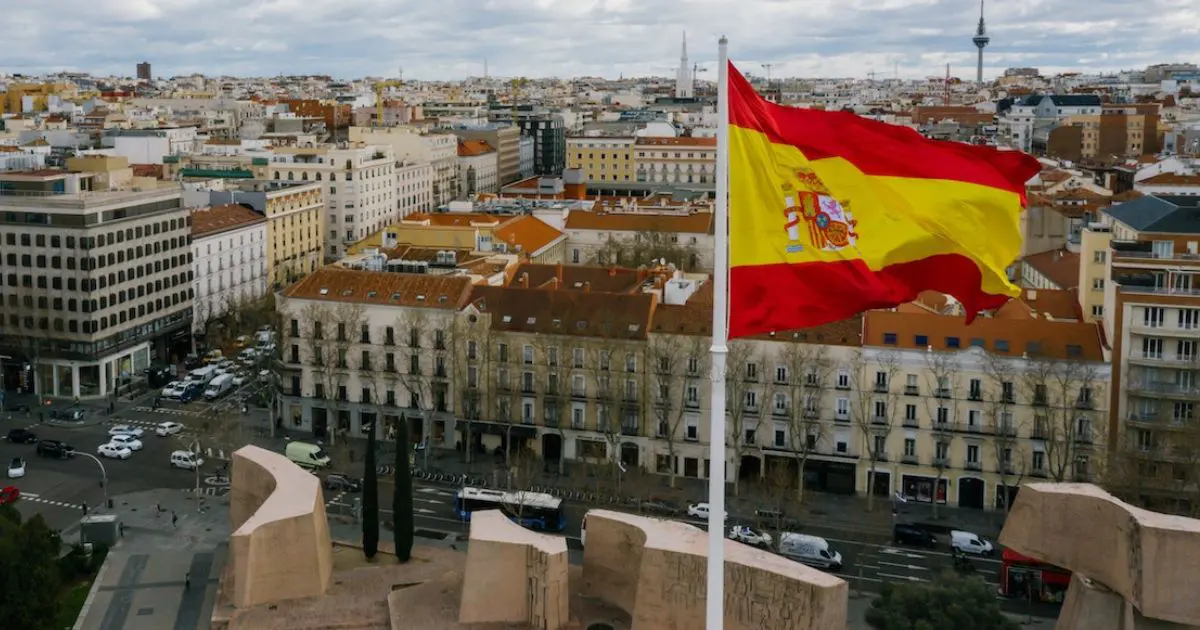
(359, 183)
(361, 348)
(1028, 124)
(1152, 315)
(684, 238)
(477, 169)
(97, 283)
(183, 167)
(602, 159)
(439, 150)
(683, 162)
(506, 139)
(229, 261)
(295, 213)
(414, 187)
(524, 235)
(1118, 130)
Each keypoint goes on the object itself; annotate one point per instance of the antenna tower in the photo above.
(946, 87)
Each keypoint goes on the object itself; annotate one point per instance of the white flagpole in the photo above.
(715, 606)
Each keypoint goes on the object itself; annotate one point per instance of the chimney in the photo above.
(524, 280)
(587, 287)
(612, 271)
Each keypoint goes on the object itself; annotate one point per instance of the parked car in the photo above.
(55, 448)
(343, 483)
(128, 441)
(967, 542)
(167, 428)
(9, 494)
(239, 379)
(16, 468)
(908, 534)
(749, 536)
(114, 451)
(21, 436)
(125, 429)
(700, 511)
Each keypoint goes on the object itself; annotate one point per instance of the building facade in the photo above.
(97, 284)
(439, 150)
(229, 261)
(477, 169)
(603, 159)
(684, 162)
(506, 139)
(359, 184)
(295, 213)
(414, 187)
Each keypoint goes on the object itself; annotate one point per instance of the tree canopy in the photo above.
(29, 573)
(951, 602)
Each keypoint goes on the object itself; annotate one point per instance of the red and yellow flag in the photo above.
(832, 214)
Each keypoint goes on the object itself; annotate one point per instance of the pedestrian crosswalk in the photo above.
(215, 454)
(164, 410)
(210, 491)
(38, 499)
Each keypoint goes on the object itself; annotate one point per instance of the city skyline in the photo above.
(911, 38)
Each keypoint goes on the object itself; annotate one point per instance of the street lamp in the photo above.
(103, 474)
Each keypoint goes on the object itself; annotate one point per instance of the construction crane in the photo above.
(767, 67)
(380, 88)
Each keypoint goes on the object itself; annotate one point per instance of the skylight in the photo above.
(372, 294)
(395, 296)
(421, 297)
(347, 292)
(506, 319)
(324, 291)
(531, 321)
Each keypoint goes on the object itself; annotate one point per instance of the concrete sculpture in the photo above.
(280, 547)
(1132, 569)
(514, 575)
(654, 570)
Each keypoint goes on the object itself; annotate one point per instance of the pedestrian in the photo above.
(85, 508)
(174, 519)
(121, 529)
(157, 509)
(187, 580)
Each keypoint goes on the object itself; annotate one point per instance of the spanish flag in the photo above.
(831, 214)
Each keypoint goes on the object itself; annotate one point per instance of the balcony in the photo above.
(912, 390)
(975, 396)
(629, 429)
(692, 403)
(1004, 430)
(969, 465)
(1084, 403)
(941, 462)
(910, 459)
(911, 423)
(1167, 360)
(881, 388)
(812, 414)
(841, 417)
(1040, 473)
(552, 423)
(881, 420)
(973, 427)
(1138, 255)
(942, 392)
(528, 389)
(1084, 437)
(217, 173)
(782, 412)
(1164, 389)
(945, 426)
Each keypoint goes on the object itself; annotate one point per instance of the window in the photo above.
(975, 389)
(1097, 310)
(921, 341)
(941, 450)
(843, 379)
(1153, 316)
(1001, 345)
(1099, 256)
(889, 339)
(953, 342)
(1152, 348)
(910, 447)
(1098, 284)
(842, 407)
(880, 411)
(752, 372)
(973, 454)
(781, 374)
(527, 355)
(1189, 318)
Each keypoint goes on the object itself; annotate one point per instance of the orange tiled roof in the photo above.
(573, 313)
(465, 219)
(1172, 179)
(222, 218)
(469, 148)
(695, 223)
(1040, 337)
(580, 278)
(1059, 266)
(1128, 195)
(531, 233)
(337, 284)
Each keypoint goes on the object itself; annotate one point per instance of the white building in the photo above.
(149, 146)
(360, 188)
(14, 159)
(478, 168)
(526, 156)
(440, 150)
(229, 261)
(414, 187)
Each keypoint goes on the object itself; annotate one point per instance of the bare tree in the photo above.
(874, 400)
(505, 381)
(808, 370)
(772, 516)
(609, 386)
(676, 364)
(1066, 428)
(742, 376)
(474, 370)
(552, 369)
(318, 329)
(941, 401)
(647, 249)
(1010, 458)
(424, 365)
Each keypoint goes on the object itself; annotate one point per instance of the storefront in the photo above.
(1029, 578)
(91, 379)
(920, 489)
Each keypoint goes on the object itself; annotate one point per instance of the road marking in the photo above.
(910, 578)
(928, 554)
(424, 511)
(910, 567)
(335, 500)
(899, 552)
(433, 501)
(62, 504)
(216, 453)
(30, 495)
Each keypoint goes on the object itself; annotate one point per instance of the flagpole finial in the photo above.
(723, 40)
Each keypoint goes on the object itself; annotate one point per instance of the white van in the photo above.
(219, 386)
(203, 375)
(307, 455)
(186, 459)
(811, 550)
(583, 531)
(966, 542)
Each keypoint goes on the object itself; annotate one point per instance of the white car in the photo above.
(127, 441)
(172, 389)
(125, 429)
(16, 468)
(700, 511)
(239, 379)
(746, 535)
(114, 451)
(167, 428)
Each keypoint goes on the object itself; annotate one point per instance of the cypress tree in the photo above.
(370, 499)
(402, 498)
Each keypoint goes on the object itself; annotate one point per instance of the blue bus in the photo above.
(534, 510)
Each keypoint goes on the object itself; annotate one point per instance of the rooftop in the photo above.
(1002, 337)
(574, 313)
(217, 219)
(1163, 214)
(531, 233)
(336, 284)
(1059, 266)
(659, 141)
(695, 223)
(1171, 179)
(469, 148)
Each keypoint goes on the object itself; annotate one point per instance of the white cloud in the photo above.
(451, 38)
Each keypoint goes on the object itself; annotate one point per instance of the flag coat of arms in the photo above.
(832, 214)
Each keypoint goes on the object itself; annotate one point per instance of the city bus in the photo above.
(535, 510)
(468, 500)
(1029, 578)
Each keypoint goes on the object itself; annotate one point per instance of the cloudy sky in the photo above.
(450, 39)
